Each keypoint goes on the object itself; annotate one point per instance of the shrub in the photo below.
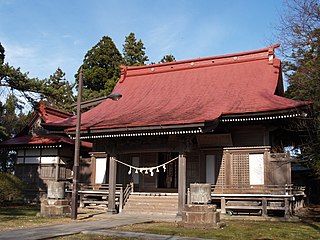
(11, 187)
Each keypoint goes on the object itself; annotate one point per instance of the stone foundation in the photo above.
(55, 207)
(200, 216)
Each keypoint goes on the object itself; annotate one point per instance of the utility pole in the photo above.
(75, 177)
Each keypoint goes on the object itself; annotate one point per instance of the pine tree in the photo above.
(134, 52)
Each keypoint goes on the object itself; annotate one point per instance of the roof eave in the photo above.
(93, 131)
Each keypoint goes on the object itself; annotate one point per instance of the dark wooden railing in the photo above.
(252, 189)
(256, 199)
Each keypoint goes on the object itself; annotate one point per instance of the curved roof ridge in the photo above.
(268, 52)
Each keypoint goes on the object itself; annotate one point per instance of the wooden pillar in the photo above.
(228, 169)
(57, 171)
(57, 168)
(287, 211)
(264, 207)
(93, 170)
(182, 183)
(112, 186)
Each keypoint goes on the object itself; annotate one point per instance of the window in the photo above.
(101, 167)
(256, 169)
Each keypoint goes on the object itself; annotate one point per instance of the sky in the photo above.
(41, 35)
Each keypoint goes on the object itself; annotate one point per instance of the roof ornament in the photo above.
(123, 73)
(271, 55)
(271, 52)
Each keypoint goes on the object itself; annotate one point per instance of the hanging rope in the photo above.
(146, 170)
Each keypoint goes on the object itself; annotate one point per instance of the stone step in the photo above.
(164, 195)
(150, 212)
(151, 207)
(146, 203)
(152, 200)
(135, 203)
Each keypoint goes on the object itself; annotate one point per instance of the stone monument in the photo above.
(200, 213)
(55, 203)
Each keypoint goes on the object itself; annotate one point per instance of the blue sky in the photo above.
(41, 35)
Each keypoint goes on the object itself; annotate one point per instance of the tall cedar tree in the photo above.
(134, 52)
(300, 34)
(58, 92)
(101, 69)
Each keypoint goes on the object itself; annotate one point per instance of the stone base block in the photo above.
(201, 208)
(200, 216)
(52, 207)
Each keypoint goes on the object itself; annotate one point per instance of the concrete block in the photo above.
(200, 216)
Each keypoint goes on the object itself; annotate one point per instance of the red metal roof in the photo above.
(47, 115)
(192, 91)
(50, 114)
(33, 140)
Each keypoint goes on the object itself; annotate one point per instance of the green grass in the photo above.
(14, 217)
(240, 230)
(19, 210)
(22, 216)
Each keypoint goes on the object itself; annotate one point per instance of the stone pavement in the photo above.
(95, 226)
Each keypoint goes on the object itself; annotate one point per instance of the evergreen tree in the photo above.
(134, 52)
(10, 125)
(3, 131)
(101, 69)
(58, 92)
(10, 120)
(167, 58)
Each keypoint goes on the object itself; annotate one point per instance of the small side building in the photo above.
(41, 155)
